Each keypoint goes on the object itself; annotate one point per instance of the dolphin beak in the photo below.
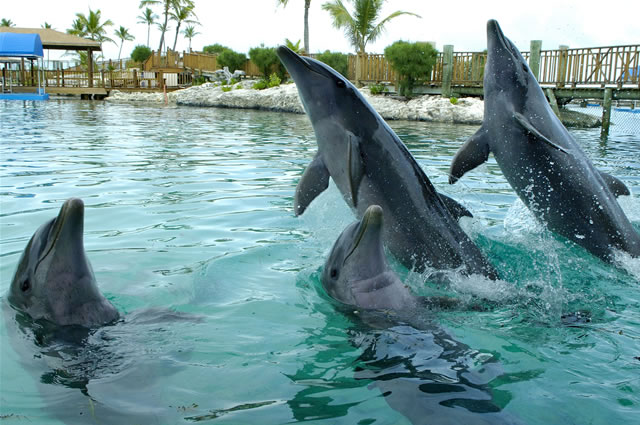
(371, 222)
(291, 60)
(68, 227)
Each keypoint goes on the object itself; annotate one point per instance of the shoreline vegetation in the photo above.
(284, 98)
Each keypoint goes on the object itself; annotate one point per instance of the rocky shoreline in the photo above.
(284, 98)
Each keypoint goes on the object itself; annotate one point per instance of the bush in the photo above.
(232, 60)
(274, 80)
(266, 60)
(140, 53)
(336, 60)
(412, 61)
(453, 100)
(260, 85)
(377, 88)
(226, 88)
(214, 49)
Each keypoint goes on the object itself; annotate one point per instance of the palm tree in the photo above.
(149, 18)
(123, 34)
(163, 29)
(166, 7)
(77, 28)
(293, 46)
(181, 13)
(190, 32)
(94, 28)
(307, 4)
(6, 23)
(361, 27)
(47, 25)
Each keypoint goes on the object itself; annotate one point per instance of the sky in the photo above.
(244, 24)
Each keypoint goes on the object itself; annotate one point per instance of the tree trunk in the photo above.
(307, 4)
(164, 28)
(148, 33)
(175, 40)
(120, 51)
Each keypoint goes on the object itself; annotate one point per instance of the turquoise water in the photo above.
(190, 209)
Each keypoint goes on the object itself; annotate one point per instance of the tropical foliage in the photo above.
(173, 9)
(336, 60)
(189, 32)
(124, 35)
(363, 25)
(232, 60)
(91, 26)
(6, 23)
(182, 12)
(412, 61)
(140, 53)
(148, 18)
(213, 49)
(307, 4)
(294, 46)
(266, 59)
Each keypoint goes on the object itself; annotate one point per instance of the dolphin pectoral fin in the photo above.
(615, 184)
(314, 181)
(456, 209)
(474, 152)
(526, 124)
(355, 169)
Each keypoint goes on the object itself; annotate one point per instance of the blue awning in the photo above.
(20, 45)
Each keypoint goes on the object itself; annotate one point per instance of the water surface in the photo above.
(190, 210)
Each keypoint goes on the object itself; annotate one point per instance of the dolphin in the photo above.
(370, 165)
(541, 160)
(54, 280)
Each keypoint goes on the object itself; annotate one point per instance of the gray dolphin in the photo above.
(356, 271)
(54, 279)
(370, 165)
(541, 160)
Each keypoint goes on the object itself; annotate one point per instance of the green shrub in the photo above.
(336, 60)
(213, 49)
(232, 60)
(377, 88)
(200, 79)
(226, 88)
(266, 60)
(261, 85)
(140, 53)
(412, 61)
(274, 80)
(453, 100)
(238, 87)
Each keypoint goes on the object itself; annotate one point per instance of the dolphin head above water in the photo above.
(54, 279)
(327, 95)
(356, 271)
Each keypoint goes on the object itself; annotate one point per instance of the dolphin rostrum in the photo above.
(370, 165)
(54, 280)
(541, 160)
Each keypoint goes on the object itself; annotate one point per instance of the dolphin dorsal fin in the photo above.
(526, 124)
(355, 168)
(616, 185)
(474, 152)
(314, 181)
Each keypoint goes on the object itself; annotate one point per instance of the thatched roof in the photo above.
(52, 39)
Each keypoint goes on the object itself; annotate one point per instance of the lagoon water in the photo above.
(190, 210)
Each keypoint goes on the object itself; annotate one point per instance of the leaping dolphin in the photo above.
(370, 165)
(54, 280)
(541, 160)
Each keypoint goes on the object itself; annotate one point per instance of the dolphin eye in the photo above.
(340, 84)
(25, 285)
(334, 273)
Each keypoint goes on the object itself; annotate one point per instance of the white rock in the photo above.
(285, 98)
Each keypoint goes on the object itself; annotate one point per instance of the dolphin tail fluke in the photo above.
(314, 181)
(456, 209)
(474, 152)
(526, 124)
(617, 187)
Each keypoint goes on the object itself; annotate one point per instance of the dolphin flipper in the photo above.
(615, 184)
(474, 152)
(524, 122)
(314, 181)
(456, 209)
(355, 169)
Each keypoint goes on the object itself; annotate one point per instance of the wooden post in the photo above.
(136, 83)
(359, 60)
(534, 57)
(23, 77)
(553, 101)
(606, 113)
(90, 66)
(562, 66)
(447, 69)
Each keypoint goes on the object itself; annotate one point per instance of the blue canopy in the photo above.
(20, 45)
